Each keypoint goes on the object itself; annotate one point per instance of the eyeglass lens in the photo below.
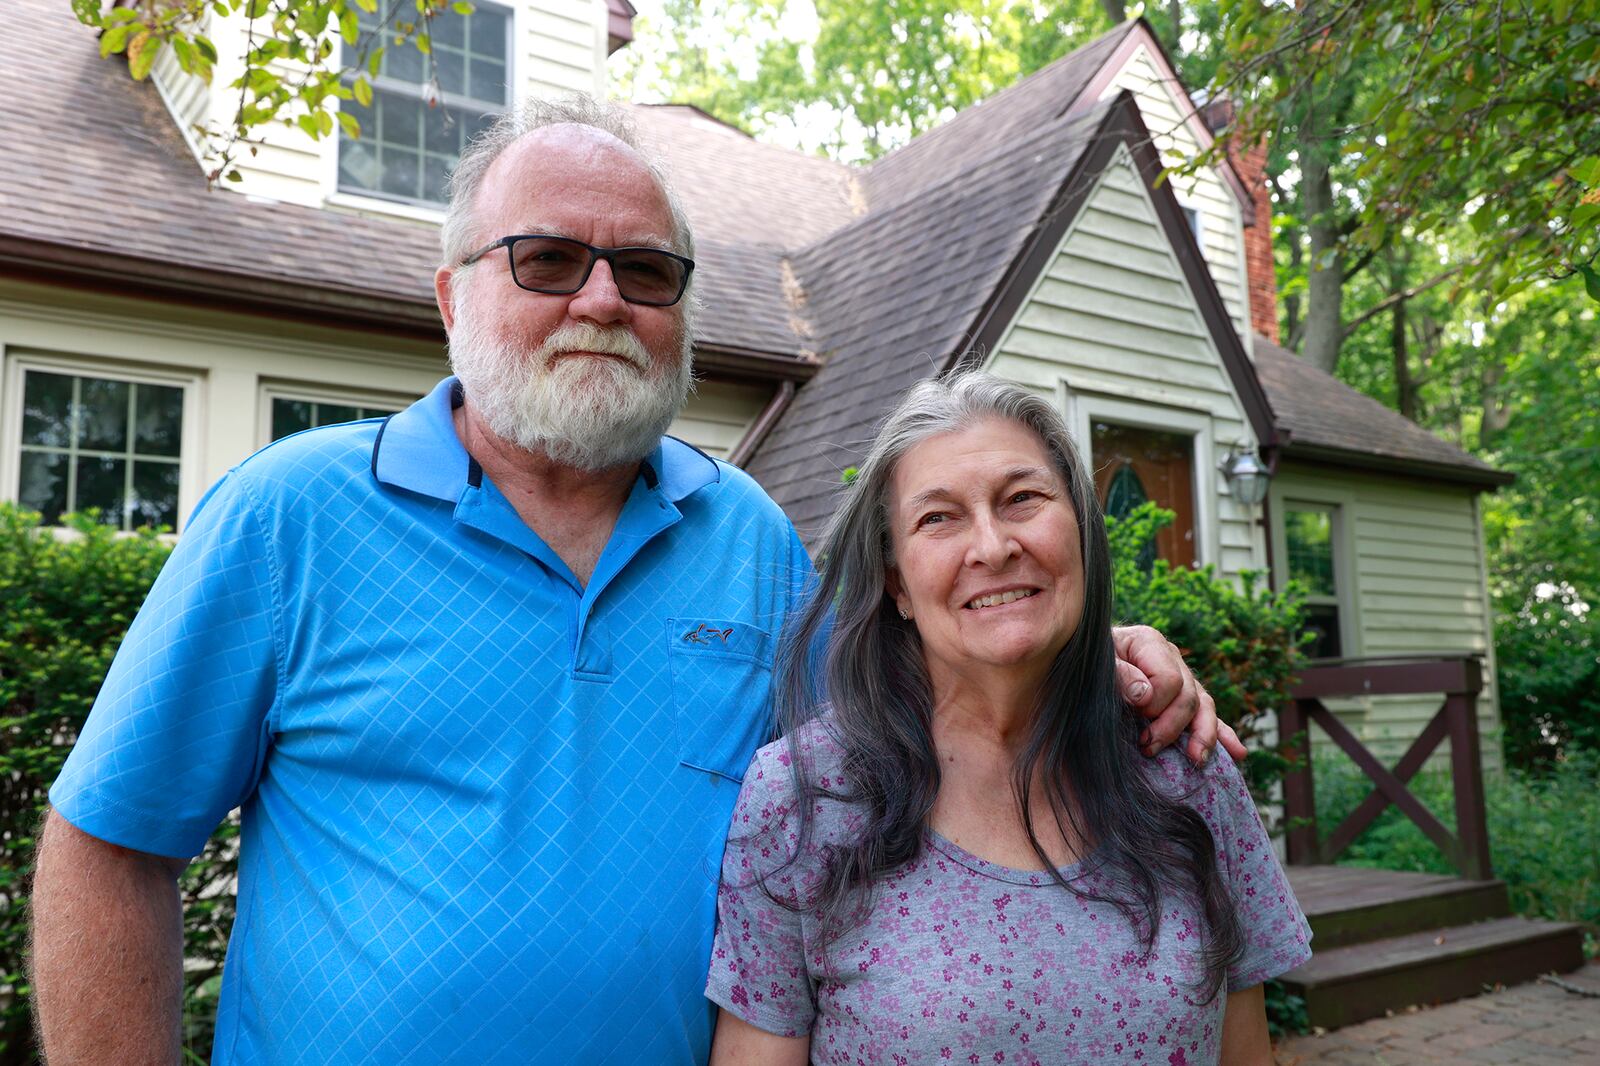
(556, 265)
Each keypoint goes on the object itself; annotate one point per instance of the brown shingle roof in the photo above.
(894, 296)
(1328, 420)
(93, 161)
(991, 128)
(790, 264)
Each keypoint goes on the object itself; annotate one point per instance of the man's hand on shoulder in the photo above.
(1158, 684)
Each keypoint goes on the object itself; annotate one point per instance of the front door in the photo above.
(1132, 465)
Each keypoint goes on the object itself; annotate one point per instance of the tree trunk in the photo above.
(1405, 384)
(1290, 234)
(1116, 11)
(1324, 325)
(1405, 387)
(1496, 409)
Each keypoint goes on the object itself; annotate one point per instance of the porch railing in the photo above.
(1460, 680)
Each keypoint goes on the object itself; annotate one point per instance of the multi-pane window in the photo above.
(100, 442)
(1308, 534)
(291, 414)
(407, 147)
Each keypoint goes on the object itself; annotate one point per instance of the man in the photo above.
(483, 678)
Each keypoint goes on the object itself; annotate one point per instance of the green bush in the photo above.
(65, 603)
(1544, 831)
(1548, 658)
(1243, 643)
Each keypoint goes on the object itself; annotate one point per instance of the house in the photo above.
(154, 333)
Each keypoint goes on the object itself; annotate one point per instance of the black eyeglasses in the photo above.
(560, 266)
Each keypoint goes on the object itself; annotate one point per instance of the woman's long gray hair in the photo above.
(851, 651)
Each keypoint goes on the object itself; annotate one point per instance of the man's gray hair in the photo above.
(579, 109)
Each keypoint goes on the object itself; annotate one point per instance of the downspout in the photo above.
(745, 450)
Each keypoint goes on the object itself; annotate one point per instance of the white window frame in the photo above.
(18, 363)
(1084, 407)
(1341, 536)
(286, 390)
(417, 210)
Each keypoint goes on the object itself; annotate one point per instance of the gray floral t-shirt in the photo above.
(961, 960)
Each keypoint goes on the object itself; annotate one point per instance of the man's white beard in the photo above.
(587, 413)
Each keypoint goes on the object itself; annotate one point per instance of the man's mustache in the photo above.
(606, 340)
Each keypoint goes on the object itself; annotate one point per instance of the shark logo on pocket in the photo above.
(704, 634)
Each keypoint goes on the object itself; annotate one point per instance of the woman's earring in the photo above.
(905, 615)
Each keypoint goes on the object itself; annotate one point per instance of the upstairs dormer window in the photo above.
(407, 148)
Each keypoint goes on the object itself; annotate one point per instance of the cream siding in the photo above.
(1412, 584)
(227, 359)
(719, 414)
(1112, 331)
(554, 47)
(1167, 115)
(230, 361)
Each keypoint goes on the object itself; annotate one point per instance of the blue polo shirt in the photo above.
(483, 805)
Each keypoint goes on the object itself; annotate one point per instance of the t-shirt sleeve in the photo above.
(179, 730)
(1277, 937)
(758, 960)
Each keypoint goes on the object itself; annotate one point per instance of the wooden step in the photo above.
(1361, 981)
(1350, 905)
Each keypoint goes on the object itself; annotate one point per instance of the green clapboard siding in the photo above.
(1112, 320)
(1414, 576)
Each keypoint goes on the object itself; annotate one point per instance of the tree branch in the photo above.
(1395, 297)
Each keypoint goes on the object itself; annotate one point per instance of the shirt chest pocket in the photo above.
(721, 691)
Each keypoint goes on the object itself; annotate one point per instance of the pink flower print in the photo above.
(1178, 1058)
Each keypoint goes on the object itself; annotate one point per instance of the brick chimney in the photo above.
(1261, 269)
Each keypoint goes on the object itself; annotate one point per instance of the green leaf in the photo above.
(1591, 281)
(424, 43)
(233, 175)
(1586, 171)
(142, 52)
(185, 53)
(349, 27)
(309, 124)
(375, 61)
(462, 7)
(351, 127)
(206, 48)
(256, 8)
(115, 39)
(363, 90)
(369, 6)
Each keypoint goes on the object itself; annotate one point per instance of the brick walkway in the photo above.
(1531, 1025)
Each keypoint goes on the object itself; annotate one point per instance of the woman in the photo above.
(963, 857)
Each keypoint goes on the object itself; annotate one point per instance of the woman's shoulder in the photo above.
(1215, 789)
(809, 757)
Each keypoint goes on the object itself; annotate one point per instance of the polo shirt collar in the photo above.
(679, 469)
(418, 450)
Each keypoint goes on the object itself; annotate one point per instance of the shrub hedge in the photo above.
(66, 600)
(1243, 643)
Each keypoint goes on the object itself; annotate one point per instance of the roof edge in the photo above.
(1485, 480)
(729, 361)
(1142, 33)
(1122, 125)
(131, 275)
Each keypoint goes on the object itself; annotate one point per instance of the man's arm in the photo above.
(1159, 684)
(107, 955)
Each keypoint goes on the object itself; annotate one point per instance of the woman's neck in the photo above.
(990, 706)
